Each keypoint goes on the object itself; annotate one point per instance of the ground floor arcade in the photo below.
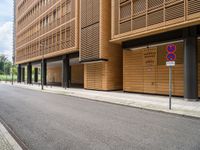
(65, 71)
(139, 67)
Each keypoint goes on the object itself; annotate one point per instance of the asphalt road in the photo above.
(45, 121)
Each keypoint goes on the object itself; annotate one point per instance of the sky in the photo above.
(6, 28)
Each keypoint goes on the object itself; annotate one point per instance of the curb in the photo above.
(151, 107)
(9, 138)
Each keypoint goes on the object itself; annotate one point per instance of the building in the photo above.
(109, 44)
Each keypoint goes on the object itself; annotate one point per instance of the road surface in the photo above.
(45, 121)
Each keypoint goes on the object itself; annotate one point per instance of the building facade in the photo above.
(109, 44)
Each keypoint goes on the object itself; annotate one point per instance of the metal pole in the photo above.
(42, 73)
(12, 74)
(42, 67)
(170, 87)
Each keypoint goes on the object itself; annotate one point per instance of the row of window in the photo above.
(41, 3)
(37, 10)
(59, 40)
(50, 21)
(139, 15)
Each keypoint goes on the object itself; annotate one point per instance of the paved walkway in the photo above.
(152, 102)
(6, 140)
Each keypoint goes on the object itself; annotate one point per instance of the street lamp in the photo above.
(4, 70)
(42, 73)
(12, 68)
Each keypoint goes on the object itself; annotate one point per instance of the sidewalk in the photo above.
(151, 102)
(7, 142)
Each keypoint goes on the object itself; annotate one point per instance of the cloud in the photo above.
(6, 39)
(6, 13)
(6, 27)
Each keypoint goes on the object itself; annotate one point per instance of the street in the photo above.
(45, 121)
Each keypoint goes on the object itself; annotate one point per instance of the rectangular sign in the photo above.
(170, 63)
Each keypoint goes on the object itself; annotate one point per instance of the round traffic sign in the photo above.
(171, 48)
(171, 57)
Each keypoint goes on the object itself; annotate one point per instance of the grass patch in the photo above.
(8, 78)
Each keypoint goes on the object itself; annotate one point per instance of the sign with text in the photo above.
(170, 63)
(171, 56)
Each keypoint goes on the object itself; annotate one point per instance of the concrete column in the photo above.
(23, 74)
(29, 73)
(35, 75)
(190, 65)
(66, 71)
(19, 69)
(44, 72)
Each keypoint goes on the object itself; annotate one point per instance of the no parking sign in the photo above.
(171, 56)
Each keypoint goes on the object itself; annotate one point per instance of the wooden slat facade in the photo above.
(133, 19)
(145, 71)
(50, 27)
(102, 75)
(90, 29)
(77, 74)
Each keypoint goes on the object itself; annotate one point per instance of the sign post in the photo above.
(170, 87)
(171, 57)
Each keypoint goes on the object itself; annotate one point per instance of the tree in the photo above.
(5, 65)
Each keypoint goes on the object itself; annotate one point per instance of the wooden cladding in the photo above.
(90, 42)
(94, 76)
(60, 39)
(90, 11)
(77, 74)
(49, 31)
(145, 71)
(146, 15)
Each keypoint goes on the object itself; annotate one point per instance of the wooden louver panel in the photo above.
(193, 6)
(175, 11)
(83, 13)
(155, 3)
(90, 29)
(155, 17)
(139, 22)
(125, 11)
(94, 73)
(152, 14)
(90, 42)
(89, 12)
(139, 6)
(125, 26)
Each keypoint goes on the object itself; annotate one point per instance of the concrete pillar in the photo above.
(19, 69)
(35, 75)
(44, 72)
(29, 73)
(190, 65)
(23, 74)
(66, 71)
